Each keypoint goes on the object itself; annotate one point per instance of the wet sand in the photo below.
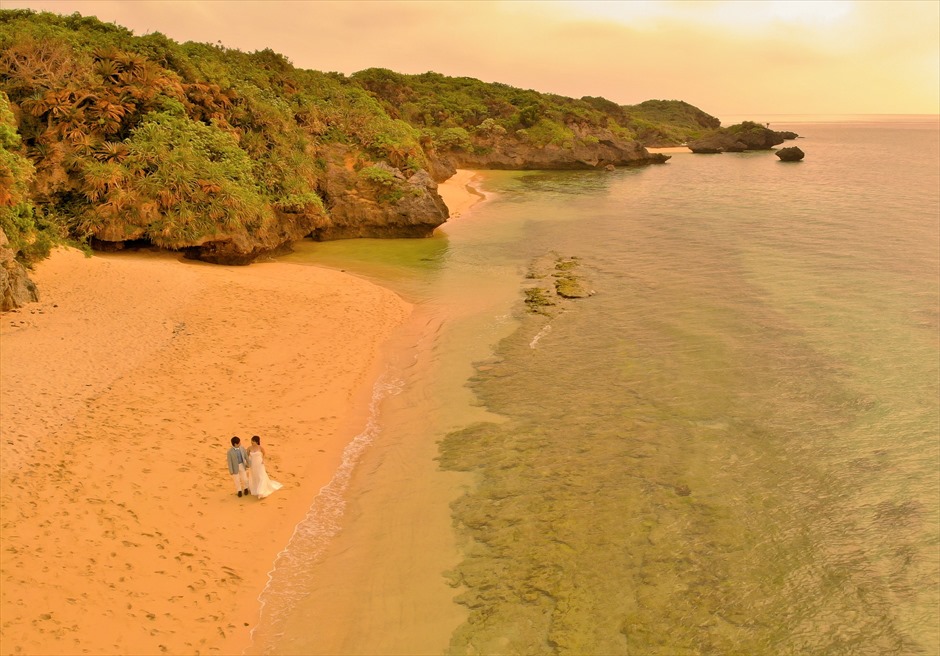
(380, 587)
(459, 192)
(119, 391)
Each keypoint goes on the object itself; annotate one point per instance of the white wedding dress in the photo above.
(258, 481)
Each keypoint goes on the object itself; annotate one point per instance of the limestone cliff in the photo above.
(515, 153)
(378, 201)
(372, 200)
(510, 153)
(16, 289)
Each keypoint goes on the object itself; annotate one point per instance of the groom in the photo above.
(237, 462)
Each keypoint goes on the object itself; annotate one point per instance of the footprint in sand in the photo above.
(197, 585)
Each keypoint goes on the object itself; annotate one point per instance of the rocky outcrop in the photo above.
(227, 243)
(786, 135)
(589, 151)
(737, 138)
(791, 154)
(441, 169)
(713, 144)
(234, 246)
(16, 289)
(553, 280)
(379, 201)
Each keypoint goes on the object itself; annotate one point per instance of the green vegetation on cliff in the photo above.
(669, 122)
(451, 111)
(110, 137)
(28, 234)
(736, 138)
(462, 113)
(182, 144)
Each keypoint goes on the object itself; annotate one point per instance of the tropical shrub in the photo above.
(30, 235)
(180, 181)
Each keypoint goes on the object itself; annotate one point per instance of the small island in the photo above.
(739, 138)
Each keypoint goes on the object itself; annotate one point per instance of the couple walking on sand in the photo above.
(247, 469)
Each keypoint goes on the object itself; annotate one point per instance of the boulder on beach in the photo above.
(791, 154)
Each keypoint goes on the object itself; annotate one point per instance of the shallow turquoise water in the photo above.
(734, 446)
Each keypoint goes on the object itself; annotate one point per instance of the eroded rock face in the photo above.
(235, 246)
(395, 207)
(713, 145)
(736, 139)
(791, 154)
(390, 205)
(16, 289)
(515, 154)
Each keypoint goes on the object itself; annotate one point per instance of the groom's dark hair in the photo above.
(235, 441)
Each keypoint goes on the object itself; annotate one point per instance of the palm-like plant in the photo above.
(108, 115)
(99, 179)
(108, 69)
(111, 151)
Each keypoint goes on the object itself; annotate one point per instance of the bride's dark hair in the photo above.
(256, 440)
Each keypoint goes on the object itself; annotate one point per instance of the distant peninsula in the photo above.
(109, 139)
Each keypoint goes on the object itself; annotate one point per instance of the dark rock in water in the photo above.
(16, 289)
(791, 154)
(560, 280)
(787, 135)
(716, 143)
(736, 139)
(568, 282)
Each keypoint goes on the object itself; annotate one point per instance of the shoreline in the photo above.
(380, 586)
(127, 356)
(119, 393)
(669, 150)
(459, 194)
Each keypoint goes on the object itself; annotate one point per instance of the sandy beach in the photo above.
(121, 529)
(119, 391)
(670, 150)
(459, 193)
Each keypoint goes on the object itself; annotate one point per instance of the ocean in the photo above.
(731, 447)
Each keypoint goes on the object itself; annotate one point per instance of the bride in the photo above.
(258, 481)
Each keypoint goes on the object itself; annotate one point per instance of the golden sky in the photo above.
(755, 58)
